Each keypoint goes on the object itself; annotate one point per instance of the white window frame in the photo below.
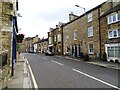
(55, 38)
(59, 37)
(111, 16)
(90, 17)
(66, 28)
(112, 31)
(90, 31)
(89, 49)
(75, 35)
(67, 37)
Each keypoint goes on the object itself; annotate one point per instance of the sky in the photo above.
(38, 16)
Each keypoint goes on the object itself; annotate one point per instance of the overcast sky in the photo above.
(39, 15)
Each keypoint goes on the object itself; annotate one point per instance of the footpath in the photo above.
(100, 63)
(21, 79)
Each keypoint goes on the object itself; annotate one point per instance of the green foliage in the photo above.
(20, 37)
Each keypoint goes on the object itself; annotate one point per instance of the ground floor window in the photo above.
(90, 49)
(113, 51)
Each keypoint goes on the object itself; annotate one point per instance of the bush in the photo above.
(104, 57)
(86, 57)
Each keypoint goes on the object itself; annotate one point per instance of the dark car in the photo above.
(49, 53)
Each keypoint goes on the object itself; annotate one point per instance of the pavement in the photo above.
(22, 78)
(101, 63)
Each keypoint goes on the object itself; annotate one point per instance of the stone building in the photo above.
(82, 34)
(29, 43)
(8, 29)
(55, 37)
(110, 33)
(42, 45)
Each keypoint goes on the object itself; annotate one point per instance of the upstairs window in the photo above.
(67, 37)
(113, 18)
(75, 35)
(90, 31)
(59, 37)
(114, 33)
(90, 17)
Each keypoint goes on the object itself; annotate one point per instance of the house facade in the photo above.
(8, 31)
(110, 33)
(82, 35)
(42, 45)
(55, 39)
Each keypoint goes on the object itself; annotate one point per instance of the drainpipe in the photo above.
(99, 29)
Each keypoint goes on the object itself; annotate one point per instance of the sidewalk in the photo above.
(21, 78)
(95, 62)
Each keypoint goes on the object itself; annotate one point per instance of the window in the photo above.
(89, 17)
(66, 28)
(90, 48)
(113, 18)
(118, 32)
(114, 33)
(118, 16)
(110, 33)
(90, 31)
(59, 37)
(75, 35)
(109, 19)
(55, 38)
(67, 37)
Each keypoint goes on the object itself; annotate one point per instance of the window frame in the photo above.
(90, 17)
(75, 35)
(112, 36)
(90, 31)
(90, 49)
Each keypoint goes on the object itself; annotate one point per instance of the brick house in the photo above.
(110, 33)
(82, 34)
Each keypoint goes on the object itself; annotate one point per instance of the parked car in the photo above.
(49, 53)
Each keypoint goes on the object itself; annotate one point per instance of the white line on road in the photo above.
(44, 58)
(57, 62)
(96, 79)
(33, 78)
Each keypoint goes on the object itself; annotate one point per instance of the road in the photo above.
(59, 72)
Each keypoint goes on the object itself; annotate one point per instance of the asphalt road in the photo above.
(59, 72)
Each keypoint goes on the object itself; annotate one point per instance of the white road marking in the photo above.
(57, 62)
(33, 78)
(96, 79)
(44, 58)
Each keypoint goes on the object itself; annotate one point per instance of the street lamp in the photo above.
(85, 17)
(81, 7)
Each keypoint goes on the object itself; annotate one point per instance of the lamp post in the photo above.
(85, 19)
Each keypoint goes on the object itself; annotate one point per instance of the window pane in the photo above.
(114, 33)
(114, 18)
(110, 51)
(118, 16)
(109, 19)
(110, 34)
(117, 51)
(118, 32)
